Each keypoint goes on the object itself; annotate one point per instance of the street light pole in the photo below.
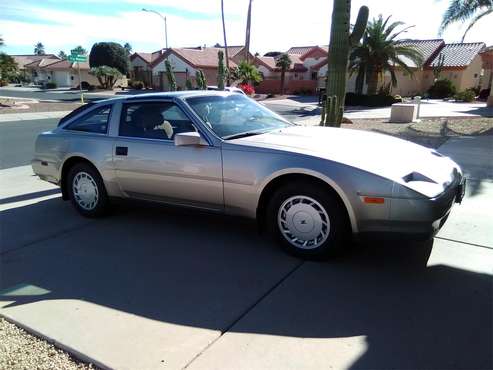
(165, 23)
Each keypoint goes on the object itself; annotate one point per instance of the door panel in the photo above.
(149, 166)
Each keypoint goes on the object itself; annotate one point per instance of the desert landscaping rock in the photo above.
(20, 350)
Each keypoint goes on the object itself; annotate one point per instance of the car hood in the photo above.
(404, 162)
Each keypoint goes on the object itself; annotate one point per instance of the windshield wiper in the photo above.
(243, 134)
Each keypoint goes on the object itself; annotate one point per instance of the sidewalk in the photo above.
(8, 117)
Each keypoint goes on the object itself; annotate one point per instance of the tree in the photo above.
(200, 80)
(438, 67)
(224, 37)
(246, 73)
(107, 76)
(466, 10)
(2, 43)
(380, 52)
(8, 67)
(128, 48)
(221, 70)
(283, 62)
(272, 54)
(109, 54)
(341, 40)
(80, 50)
(62, 55)
(39, 49)
(170, 75)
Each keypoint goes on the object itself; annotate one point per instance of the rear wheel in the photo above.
(86, 190)
(308, 220)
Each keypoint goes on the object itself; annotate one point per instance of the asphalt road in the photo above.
(17, 140)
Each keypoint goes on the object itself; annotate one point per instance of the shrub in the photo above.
(50, 85)
(3, 83)
(247, 89)
(137, 85)
(465, 96)
(107, 76)
(85, 85)
(91, 88)
(379, 100)
(441, 89)
(483, 94)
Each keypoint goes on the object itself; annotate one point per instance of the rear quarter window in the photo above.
(75, 112)
(95, 121)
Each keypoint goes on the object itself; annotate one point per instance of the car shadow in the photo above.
(206, 270)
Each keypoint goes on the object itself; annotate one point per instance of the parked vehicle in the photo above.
(227, 88)
(311, 187)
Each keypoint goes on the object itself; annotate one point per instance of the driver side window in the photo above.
(154, 120)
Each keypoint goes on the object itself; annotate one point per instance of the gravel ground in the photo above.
(22, 351)
(428, 132)
(41, 107)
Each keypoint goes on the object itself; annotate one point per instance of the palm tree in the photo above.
(465, 10)
(128, 48)
(381, 52)
(80, 50)
(246, 73)
(283, 62)
(225, 43)
(62, 55)
(248, 26)
(39, 49)
(2, 43)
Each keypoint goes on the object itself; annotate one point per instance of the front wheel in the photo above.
(86, 190)
(308, 220)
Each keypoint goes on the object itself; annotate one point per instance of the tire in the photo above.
(308, 221)
(86, 190)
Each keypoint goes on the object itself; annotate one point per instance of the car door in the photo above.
(149, 166)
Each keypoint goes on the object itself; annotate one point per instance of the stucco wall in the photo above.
(470, 77)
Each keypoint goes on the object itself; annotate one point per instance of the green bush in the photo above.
(466, 96)
(50, 85)
(441, 89)
(379, 100)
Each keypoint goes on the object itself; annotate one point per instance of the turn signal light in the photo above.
(373, 200)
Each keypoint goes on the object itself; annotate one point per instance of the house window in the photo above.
(475, 75)
(314, 75)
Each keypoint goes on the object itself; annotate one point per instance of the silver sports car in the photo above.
(311, 187)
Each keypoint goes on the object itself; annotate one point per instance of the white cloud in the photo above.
(276, 24)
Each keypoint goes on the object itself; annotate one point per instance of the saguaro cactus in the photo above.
(170, 75)
(221, 70)
(341, 41)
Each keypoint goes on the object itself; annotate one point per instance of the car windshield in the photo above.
(234, 116)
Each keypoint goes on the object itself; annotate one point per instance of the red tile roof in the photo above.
(148, 57)
(270, 63)
(197, 58)
(65, 64)
(427, 48)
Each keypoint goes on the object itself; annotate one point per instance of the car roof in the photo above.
(169, 94)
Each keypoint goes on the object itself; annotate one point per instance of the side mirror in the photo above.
(189, 138)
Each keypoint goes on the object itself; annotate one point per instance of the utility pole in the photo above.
(247, 38)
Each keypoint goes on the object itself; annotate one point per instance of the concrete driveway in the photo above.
(156, 288)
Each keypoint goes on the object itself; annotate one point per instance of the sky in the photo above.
(276, 24)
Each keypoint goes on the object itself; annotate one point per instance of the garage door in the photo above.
(62, 78)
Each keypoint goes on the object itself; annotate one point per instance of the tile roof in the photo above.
(43, 62)
(458, 55)
(427, 48)
(65, 64)
(22, 60)
(233, 50)
(296, 63)
(197, 58)
(300, 50)
(148, 57)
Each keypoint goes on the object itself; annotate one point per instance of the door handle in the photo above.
(121, 150)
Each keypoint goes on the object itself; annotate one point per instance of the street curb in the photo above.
(74, 353)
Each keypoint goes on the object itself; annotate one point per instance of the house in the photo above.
(150, 67)
(462, 65)
(26, 59)
(63, 73)
(300, 77)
